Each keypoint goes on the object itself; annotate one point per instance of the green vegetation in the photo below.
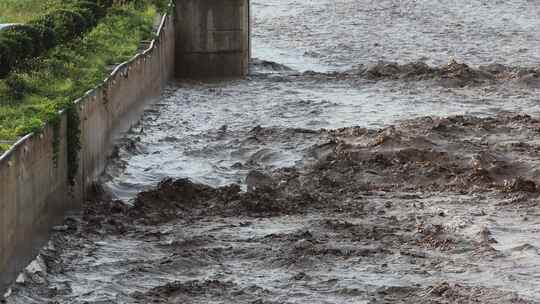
(4, 147)
(20, 43)
(22, 11)
(35, 92)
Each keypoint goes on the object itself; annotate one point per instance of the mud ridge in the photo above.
(452, 75)
(419, 200)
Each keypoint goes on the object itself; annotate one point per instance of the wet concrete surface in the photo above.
(326, 176)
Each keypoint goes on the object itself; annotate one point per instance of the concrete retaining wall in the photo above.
(34, 193)
(213, 38)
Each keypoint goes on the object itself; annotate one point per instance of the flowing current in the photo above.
(305, 81)
(194, 130)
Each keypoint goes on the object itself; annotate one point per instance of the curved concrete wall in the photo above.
(34, 194)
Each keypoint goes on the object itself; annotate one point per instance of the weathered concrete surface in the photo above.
(212, 38)
(117, 104)
(34, 192)
(33, 195)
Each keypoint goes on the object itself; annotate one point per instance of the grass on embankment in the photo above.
(31, 97)
(22, 11)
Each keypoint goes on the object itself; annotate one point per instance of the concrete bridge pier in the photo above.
(212, 38)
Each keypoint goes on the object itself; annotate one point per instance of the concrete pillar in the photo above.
(212, 38)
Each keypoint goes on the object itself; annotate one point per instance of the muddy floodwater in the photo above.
(379, 152)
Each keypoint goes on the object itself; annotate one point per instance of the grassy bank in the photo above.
(22, 11)
(34, 95)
